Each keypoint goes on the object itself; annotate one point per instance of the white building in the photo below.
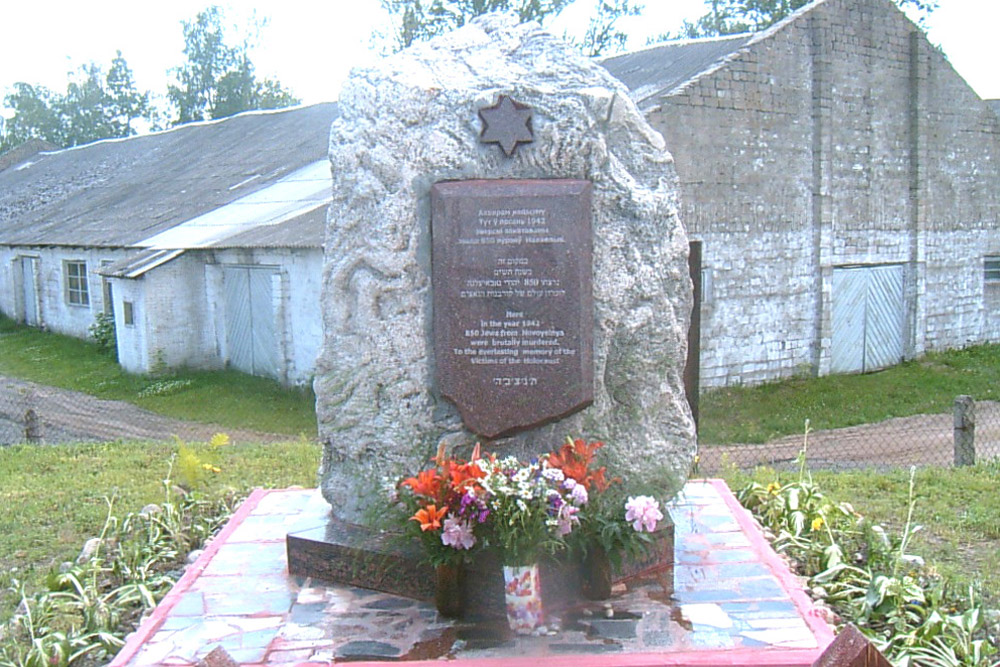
(204, 242)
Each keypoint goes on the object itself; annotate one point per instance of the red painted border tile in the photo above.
(153, 623)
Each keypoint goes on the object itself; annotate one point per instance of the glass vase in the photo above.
(523, 597)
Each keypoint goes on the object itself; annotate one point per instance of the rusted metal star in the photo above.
(507, 123)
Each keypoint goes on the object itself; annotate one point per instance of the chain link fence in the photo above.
(40, 414)
(970, 433)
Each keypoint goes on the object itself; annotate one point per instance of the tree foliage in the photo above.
(417, 20)
(95, 106)
(731, 17)
(219, 80)
(603, 34)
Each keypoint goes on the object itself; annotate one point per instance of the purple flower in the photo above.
(643, 512)
(579, 495)
(457, 534)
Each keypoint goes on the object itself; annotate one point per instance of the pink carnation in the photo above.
(567, 519)
(643, 512)
(457, 534)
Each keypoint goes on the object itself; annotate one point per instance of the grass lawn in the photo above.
(228, 398)
(958, 510)
(61, 492)
(925, 386)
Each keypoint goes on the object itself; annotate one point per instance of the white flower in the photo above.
(553, 475)
(579, 495)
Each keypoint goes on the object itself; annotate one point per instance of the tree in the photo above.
(602, 34)
(731, 17)
(34, 117)
(94, 107)
(417, 20)
(124, 102)
(219, 80)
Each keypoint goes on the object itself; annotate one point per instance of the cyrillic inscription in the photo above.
(513, 309)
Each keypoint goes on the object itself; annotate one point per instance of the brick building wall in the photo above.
(839, 138)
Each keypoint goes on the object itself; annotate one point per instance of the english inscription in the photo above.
(513, 306)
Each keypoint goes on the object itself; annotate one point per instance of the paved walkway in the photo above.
(734, 603)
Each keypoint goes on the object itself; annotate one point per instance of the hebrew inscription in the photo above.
(513, 306)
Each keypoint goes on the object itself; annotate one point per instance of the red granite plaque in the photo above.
(513, 306)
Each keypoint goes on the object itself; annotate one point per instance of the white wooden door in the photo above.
(250, 320)
(29, 290)
(868, 318)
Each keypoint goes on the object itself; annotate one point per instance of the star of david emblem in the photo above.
(507, 123)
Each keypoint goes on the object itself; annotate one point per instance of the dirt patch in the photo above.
(72, 416)
(901, 441)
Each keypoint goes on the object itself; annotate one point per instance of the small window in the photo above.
(128, 313)
(77, 293)
(991, 268)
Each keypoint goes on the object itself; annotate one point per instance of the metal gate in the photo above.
(868, 318)
(250, 321)
(29, 290)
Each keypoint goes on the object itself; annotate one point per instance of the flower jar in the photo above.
(596, 575)
(523, 598)
(448, 590)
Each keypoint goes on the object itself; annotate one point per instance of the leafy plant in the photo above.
(103, 333)
(86, 610)
(872, 579)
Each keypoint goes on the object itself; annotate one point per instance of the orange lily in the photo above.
(426, 483)
(429, 517)
(574, 459)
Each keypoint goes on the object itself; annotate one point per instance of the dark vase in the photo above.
(448, 593)
(596, 582)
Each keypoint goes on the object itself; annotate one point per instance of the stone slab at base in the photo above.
(345, 553)
(734, 603)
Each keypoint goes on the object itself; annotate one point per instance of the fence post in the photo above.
(32, 427)
(965, 431)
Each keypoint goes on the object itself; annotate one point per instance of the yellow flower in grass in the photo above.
(211, 468)
(817, 523)
(773, 488)
(219, 440)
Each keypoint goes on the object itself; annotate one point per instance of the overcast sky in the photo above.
(310, 46)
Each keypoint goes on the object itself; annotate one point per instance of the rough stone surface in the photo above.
(412, 121)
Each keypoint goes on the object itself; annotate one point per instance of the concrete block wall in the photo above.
(54, 311)
(842, 137)
(296, 303)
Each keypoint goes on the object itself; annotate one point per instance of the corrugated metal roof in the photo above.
(139, 263)
(300, 192)
(300, 232)
(655, 72)
(119, 193)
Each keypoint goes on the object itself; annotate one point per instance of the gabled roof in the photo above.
(655, 72)
(994, 104)
(132, 192)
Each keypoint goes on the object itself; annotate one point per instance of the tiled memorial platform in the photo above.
(734, 603)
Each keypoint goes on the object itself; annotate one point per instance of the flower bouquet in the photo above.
(612, 523)
(447, 513)
(532, 507)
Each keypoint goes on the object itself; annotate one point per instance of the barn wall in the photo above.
(177, 328)
(55, 313)
(295, 302)
(841, 138)
(132, 339)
